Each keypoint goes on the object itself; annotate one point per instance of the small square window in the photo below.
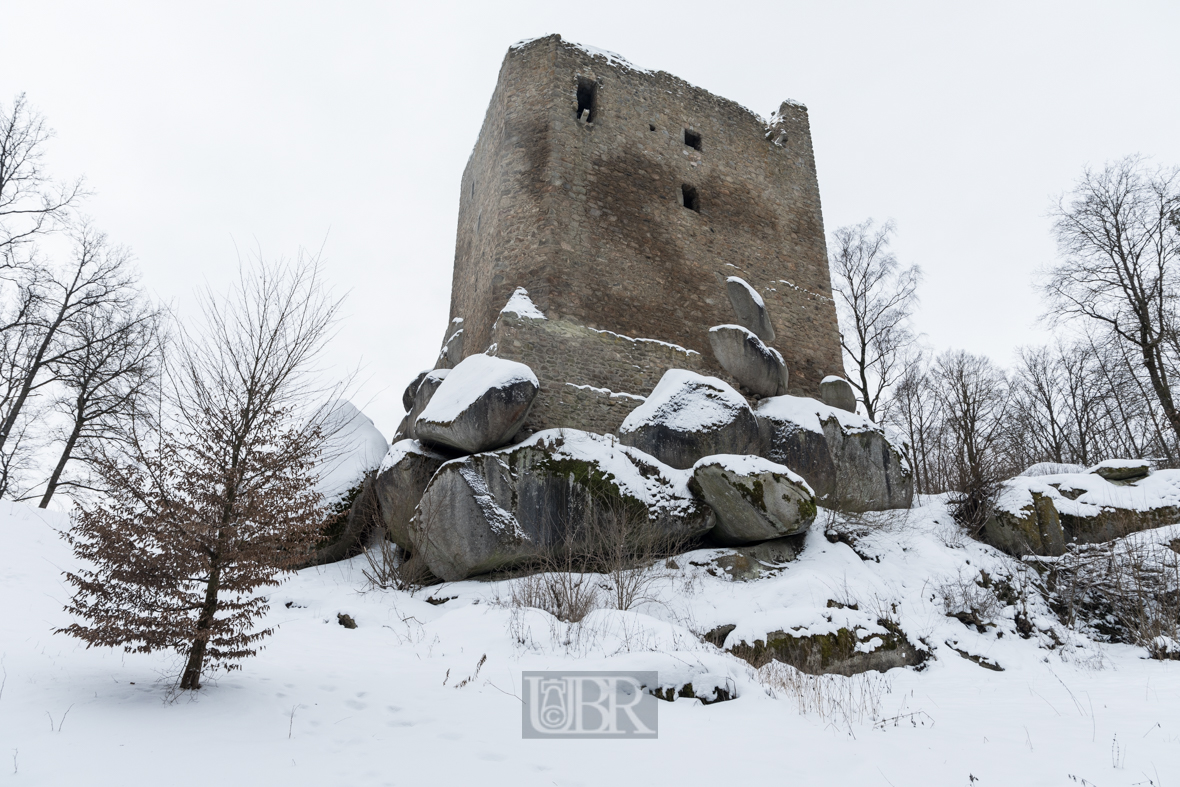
(689, 198)
(692, 139)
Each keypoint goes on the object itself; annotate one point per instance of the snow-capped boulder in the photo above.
(689, 416)
(846, 459)
(422, 395)
(352, 447)
(837, 392)
(411, 389)
(753, 498)
(496, 509)
(756, 366)
(401, 479)
(481, 405)
(749, 308)
(1042, 514)
(1122, 469)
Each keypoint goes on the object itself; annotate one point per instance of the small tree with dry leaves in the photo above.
(202, 515)
(180, 547)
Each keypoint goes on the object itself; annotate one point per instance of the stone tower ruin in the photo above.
(622, 199)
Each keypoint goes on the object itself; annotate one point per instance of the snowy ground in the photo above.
(386, 703)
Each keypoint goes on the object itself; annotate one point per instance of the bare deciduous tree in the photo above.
(30, 202)
(1120, 242)
(97, 277)
(226, 503)
(107, 379)
(875, 297)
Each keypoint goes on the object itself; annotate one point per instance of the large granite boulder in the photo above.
(423, 391)
(846, 458)
(480, 405)
(412, 390)
(749, 308)
(689, 416)
(1122, 469)
(753, 498)
(754, 365)
(1043, 514)
(400, 481)
(559, 488)
(837, 392)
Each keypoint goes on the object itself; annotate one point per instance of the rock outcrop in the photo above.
(426, 385)
(400, 481)
(837, 392)
(1122, 469)
(1042, 515)
(754, 365)
(846, 459)
(412, 389)
(749, 308)
(689, 416)
(753, 498)
(492, 510)
(481, 405)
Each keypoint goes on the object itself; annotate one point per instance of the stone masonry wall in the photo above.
(589, 216)
(589, 379)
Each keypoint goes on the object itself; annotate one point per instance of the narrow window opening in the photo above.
(692, 139)
(587, 92)
(689, 198)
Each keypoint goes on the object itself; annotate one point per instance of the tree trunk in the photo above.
(51, 487)
(190, 679)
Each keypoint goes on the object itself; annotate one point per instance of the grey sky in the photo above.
(213, 129)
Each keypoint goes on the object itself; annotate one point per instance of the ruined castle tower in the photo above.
(621, 199)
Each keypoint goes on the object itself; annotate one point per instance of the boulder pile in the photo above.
(469, 491)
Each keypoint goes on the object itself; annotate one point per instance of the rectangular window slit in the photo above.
(689, 198)
(692, 139)
(587, 92)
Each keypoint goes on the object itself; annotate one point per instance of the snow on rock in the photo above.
(848, 460)
(522, 306)
(354, 447)
(753, 498)
(480, 405)
(689, 416)
(1052, 468)
(1122, 469)
(750, 308)
(1086, 494)
(489, 510)
(810, 414)
(743, 354)
(1043, 514)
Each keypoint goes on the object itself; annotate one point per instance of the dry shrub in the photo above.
(1127, 590)
(392, 568)
(836, 699)
(970, 600)
(601, 561)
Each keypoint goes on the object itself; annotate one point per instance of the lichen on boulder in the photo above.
(497, 509)
(753, 498)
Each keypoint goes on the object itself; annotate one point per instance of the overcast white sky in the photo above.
(212, 128)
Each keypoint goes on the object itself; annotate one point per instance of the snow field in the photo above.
(404, 698)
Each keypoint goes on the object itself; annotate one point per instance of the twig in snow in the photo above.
(291, 721)
(63, 717)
